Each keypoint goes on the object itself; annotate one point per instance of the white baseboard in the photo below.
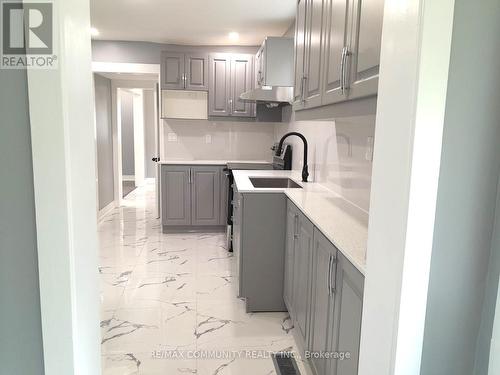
(105, 210)
(128, 178)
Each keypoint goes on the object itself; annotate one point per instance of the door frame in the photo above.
(116, 85)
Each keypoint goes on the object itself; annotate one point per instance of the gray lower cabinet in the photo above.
(323, 300)
(292, 216)
(205, 195)
(176, 195)
(346, 336)
(324, 295)
(301, 278)
(191, 196)
(258, 245)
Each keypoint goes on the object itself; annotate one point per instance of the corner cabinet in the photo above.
(230, 75)
(191, 196)
(323, 292)
(337, 51)
(184, 71)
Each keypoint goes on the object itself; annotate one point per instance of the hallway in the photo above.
(166, 300)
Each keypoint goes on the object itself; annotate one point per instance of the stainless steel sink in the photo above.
(274, 183)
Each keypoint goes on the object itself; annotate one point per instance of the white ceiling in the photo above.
(206, 22)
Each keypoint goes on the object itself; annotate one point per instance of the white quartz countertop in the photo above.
(344, 224)
(208, 162)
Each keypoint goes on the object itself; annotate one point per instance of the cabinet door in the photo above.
(300, 40)
(176, 195)
(205, 195)
(197, 71)
(314, 52)
(347, 317)
(237, 224)
(335, 40)
(365, 41)
(292, 217)
(172, 71)
(323, 298)
(219, 85)
(301, 284)
(242, 76)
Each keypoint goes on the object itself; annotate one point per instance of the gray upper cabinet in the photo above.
(365, 47)
(172, 70)
(335, 38)
(242, 75)
(206, 195)
(176, 195)
(347, 317)
(196, 71)
(219, 84)
(184, 71)
(230, 75)
(314, 53)
(301, 276)
(337, 51)
(300, 43)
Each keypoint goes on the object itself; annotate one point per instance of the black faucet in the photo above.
(305, 170)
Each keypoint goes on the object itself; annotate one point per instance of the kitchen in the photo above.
(255, 231)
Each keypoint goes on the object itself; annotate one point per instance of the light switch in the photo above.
(208, 138)
(172, 137)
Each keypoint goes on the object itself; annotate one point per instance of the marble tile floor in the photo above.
(169, 305)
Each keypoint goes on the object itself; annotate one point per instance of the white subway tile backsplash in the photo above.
(340, 152)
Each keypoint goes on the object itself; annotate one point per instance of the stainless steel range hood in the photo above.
(274, 72)
(269, 94)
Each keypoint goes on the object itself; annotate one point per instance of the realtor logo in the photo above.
(27, 35)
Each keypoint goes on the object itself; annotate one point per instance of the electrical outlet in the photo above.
(208, 138)
(172, 137)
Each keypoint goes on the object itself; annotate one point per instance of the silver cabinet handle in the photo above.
(342, 69)
(329, 277)
(304, 82)
(345, 72)
(333, 288)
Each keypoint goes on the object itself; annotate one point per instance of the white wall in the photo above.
(470, 165)
(149, 133)
(127, 132)
(20, 322)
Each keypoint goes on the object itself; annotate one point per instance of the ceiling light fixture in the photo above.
(94, 31)
(233, 35)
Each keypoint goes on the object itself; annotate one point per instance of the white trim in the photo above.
(62, 137)
(110, 67)
(106, 210)
(128, 177)
(410, 120)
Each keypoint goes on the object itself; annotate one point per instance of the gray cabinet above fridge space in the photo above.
(211, 83)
